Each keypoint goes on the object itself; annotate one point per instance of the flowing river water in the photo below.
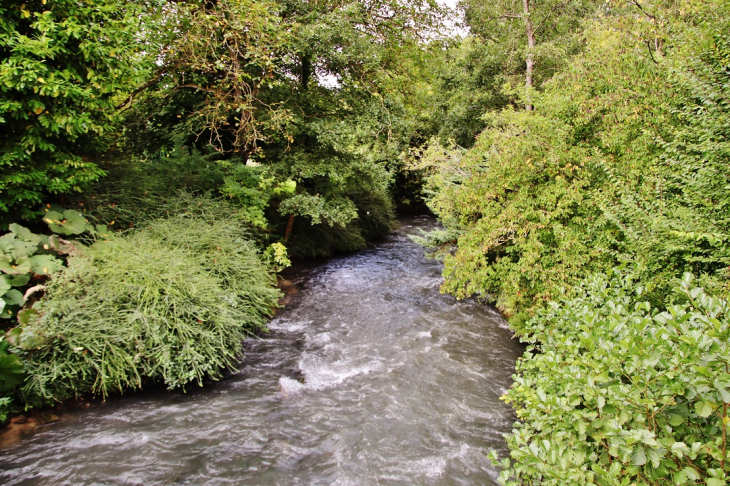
(368, 376)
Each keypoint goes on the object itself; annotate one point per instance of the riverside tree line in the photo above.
(159, 160)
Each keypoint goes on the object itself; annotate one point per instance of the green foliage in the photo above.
(169, 303)
(12, 372)
(612, 391)
(678, 217)
(612, 167)
(515, 206)
(62, 66)
(277, 256)
(468, 83)
(370, 215)
(252, 189)
(139, 189)
(25, 259)
(68, 222)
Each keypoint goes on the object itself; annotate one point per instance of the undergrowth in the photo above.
(170, 303)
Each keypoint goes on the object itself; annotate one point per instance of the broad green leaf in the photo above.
(675, 420)
(5, 283)
(724, 393)
(23, 233)
(638, 458)
(53, 217)
(691, 474)
(18, 267)
(13, 297)
(22, 249)
(45, 264)
(703, 408)
(19, 280)
(12, 372)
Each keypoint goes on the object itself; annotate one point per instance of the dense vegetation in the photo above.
(575, 151)
(617, 158)
(161, 159)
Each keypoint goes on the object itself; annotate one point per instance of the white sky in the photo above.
(457, 31)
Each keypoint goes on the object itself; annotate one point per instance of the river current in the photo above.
(368, 376)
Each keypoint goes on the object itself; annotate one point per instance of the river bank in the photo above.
(369, 374)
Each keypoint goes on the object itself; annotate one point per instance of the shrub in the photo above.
(58, 94)
(142, 189)
(617, 393)
(170, 303)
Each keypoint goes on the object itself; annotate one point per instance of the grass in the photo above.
(168, 303)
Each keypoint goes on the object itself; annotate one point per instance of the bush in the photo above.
(170, 303)
(375, 218)
(617, 393)
(141, 189)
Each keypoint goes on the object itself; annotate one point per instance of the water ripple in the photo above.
(369, 376)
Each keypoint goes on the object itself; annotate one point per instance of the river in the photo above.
(368, 376)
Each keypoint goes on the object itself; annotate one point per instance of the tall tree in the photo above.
(543, 33)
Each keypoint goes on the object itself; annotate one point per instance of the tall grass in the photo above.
(169, 303)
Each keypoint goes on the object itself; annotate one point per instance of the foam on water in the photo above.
(290, 387)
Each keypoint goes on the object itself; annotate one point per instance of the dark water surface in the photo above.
(369, 376)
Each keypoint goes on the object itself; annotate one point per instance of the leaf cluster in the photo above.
(612, 391)
(62, 66)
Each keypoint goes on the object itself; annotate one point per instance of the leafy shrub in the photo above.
(374, 217)
(58, 94)
(618, 393)
(170, 303)
(623, 160)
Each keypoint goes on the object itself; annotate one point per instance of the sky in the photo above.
(455, 30)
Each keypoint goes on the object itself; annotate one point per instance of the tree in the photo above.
(542, 32)
(63, 66)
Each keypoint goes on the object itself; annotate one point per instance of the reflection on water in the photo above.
(369, 376)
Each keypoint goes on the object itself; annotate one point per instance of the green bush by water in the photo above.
(614, 392)
(170, 303)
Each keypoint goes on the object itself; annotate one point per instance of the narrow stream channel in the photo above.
(369, 376)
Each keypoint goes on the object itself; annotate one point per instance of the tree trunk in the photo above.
(530, 61)
(289, 226)
(306, 71)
